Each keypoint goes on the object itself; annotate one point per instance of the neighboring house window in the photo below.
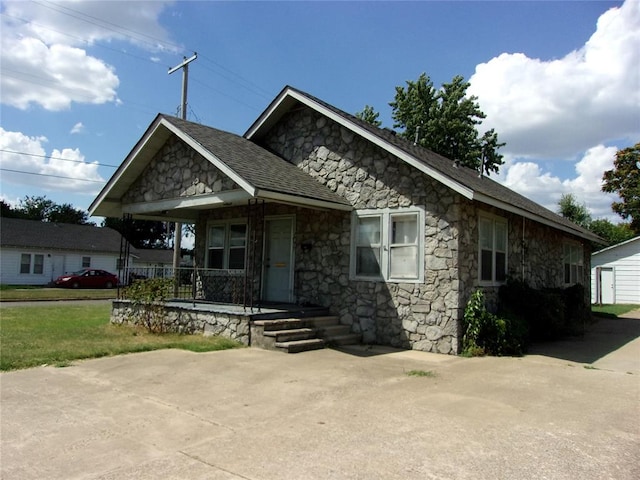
(573, 263)
(492, 249)
(119, 263)
(32, 264)
(388, 245)
(86, 262)
(226, 246)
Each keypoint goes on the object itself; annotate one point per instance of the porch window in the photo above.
(493, 249)
(227, 244)
(573, 263)
(31, 264)
(388, 245)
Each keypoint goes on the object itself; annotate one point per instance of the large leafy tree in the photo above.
(45, 210)
(141, 233)
(611, 233)
(624, 179)
(569, 208)
(369, 115)
(445, 121)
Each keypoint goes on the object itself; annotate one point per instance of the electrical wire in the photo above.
(51, 175)
(56, 158)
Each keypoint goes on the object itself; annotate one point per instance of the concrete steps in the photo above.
(294, 335)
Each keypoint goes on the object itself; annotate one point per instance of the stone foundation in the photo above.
(188, 320)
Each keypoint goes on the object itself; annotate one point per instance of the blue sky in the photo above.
(81, 81)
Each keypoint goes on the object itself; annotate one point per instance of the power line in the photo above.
(57, 158)
(51, 175)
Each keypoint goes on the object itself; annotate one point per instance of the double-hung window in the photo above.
(226, 245)
(492, 249)
(31, 264)
(573, 263)
(388, 245)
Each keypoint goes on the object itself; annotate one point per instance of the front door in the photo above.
(278, 266)
(57, 266)
(606, 285)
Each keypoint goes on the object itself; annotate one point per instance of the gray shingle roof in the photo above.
(258, 166)
(15, 232)
(464, 176)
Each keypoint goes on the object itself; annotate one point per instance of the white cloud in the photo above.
(43, 49)
(558, 107)
(64, 169)
(530, 180)
(77, 128)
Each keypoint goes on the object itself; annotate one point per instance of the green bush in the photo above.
(548, 314)
(487, 334)
(148, 296)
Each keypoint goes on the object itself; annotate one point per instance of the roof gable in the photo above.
(465, 181)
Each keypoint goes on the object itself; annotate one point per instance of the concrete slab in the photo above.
(327, 414)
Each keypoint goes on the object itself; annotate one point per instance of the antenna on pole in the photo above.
(177, 239)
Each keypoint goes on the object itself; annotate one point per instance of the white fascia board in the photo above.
(195, 202)
(523, 213)
(219, 164)
(119, 173)
(634, 239)
(392, 149)
(302, 201)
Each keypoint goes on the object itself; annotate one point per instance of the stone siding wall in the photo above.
(419, 316)
(177, 171)
(534, 255)
(188, 321)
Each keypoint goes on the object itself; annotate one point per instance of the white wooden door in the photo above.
(57, 266)
(278, 266)
(606, 286)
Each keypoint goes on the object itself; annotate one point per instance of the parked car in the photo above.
(87, 278)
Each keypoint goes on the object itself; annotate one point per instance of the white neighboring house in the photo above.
(151, 262)
(36, 253)
(615, 273)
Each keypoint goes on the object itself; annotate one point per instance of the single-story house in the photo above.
(36, 253)
(313, 206)
(615, 273)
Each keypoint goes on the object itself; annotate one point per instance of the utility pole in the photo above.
(177, 238)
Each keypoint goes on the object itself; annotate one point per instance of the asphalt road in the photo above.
(328, 414)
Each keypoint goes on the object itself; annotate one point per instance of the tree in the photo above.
(141, 233)
(610, 232)
(570, 209)
(624, 179)
(445, 121)
(43, 209)
(369, 115)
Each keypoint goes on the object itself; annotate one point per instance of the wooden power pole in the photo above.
(177, 239)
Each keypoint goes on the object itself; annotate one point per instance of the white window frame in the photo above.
(386, 246)
(227, 247)
(575, 253)
(493, 220)
(32, 264)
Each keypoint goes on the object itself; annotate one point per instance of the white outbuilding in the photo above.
(615, 273)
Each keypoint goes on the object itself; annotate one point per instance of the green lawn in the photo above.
(57, 335)
(28, 293)
(613, 310)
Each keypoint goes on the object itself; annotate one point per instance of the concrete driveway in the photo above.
(327, 414)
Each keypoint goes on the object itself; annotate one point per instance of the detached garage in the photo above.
(615, 273)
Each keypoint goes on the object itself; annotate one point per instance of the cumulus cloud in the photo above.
(554, 108)
(43, 49)
(530, 180)
(62, 169)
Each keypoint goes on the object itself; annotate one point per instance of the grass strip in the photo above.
(57, 335)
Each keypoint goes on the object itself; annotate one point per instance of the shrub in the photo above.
(487, 334)
(148, 297)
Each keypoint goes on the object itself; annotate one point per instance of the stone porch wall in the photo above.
(187, 320)
(418, 316)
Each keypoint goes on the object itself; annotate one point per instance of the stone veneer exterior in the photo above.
(422, 316)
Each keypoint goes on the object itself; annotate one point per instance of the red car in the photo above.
(87, 278)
